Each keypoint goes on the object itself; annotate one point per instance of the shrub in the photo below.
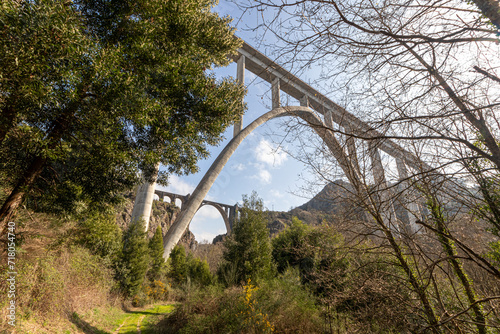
(99, 233)
(289, 248)
(289, 305)
(248, 248)
(198, 271)
(133, 261)
(188, 268)
(156, 254)
(280, 305)
(51, 285)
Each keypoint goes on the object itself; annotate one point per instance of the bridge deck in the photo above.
(265, 68)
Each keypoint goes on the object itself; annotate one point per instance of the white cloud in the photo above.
(269, 154)
(238, 167)
(276, 193)
(263, 176)
(207, 224)
(208, 211)
(177, 186)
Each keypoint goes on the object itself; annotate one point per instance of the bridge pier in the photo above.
(409, 200)
(240, 77)
(386, 202)
(143, 203)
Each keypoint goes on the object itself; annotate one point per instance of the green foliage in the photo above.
(99, 233)
(311, 251)
(199, 271)
(133, 264)
(188, 268)
(156, 254)
(288, 247)
(280, 304)
(248, 248)
(290, 305)
(494, 253)
(178, 264)
(49, 286)
(92, 92)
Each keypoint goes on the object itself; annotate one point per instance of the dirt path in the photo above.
(135, 321)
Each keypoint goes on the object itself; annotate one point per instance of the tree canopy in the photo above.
(248, 248)
(91, 92)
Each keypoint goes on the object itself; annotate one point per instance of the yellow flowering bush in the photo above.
(253, 318)
(157, 290)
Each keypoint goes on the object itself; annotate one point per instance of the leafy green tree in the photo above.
(156, 254)
(134, 259)
(248, 248)
(199, 271)
(99, 233)
(289, 245)
(184, 267)
(91, 92)
(178, 264)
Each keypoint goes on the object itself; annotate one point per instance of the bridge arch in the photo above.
(222, 211)
(176, 231)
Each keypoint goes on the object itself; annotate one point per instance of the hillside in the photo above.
(332, 204)
(162, 213)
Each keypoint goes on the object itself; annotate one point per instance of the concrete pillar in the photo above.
(143, 203)
(377, 168)
(233, 216)
(304, 101)
(384, 195)
(409, 199)
(275, 92)
(240, 77)
(351, 148)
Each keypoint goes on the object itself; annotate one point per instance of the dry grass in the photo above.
(53, 280)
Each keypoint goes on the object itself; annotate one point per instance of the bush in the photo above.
(188, 268)
(289, 248)
(51, 285)
(133, 261)
(290, 306)
(248, 248)
(99, 233)
(280, 305)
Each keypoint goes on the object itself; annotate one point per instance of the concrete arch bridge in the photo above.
(229, 213)
(320, 113)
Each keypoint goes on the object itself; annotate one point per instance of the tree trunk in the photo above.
(7, 120)
(449, 248)
(490, 9)
(15, 198)
(17, 194)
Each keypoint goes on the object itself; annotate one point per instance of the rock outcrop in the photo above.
(163, 214)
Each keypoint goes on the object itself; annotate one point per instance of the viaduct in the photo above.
(229, 213)
(326, 118)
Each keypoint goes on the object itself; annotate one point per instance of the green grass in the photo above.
(102, 320)
(108, 320)
(150, 316)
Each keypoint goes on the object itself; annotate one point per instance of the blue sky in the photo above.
(260, 163)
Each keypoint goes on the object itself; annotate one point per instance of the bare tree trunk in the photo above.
(490, 9)
(414, 282)
(447, 244)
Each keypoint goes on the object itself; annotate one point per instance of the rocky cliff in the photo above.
(163, 214)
